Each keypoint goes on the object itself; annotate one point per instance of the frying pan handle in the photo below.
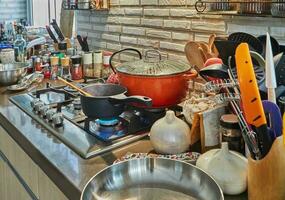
(127, 49)
(131, 99)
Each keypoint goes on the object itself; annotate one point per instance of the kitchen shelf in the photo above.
(223, 8)
(89, 5)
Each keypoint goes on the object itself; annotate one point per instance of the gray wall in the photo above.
(13, 9)
(164, 24)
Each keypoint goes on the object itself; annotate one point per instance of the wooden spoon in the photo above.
(75, 87)
(193, 54)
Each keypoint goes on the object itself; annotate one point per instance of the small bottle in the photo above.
(76, 68)
(65, 67)
(38, 64)
(54, 62)
(20, 46)
(106, 71)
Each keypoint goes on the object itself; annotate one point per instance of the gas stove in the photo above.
(58, 109)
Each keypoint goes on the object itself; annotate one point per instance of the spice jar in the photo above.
(97, 59)
(54, 62)
(106, 71)
(38, 64)
(76, 68)
(88, 69)
(231, 133)
(65, 67)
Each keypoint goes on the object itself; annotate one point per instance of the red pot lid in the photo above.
(153, 66)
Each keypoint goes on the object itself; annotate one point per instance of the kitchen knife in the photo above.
(51, 34)
(275, 119)
(251, 101)
(57, 30)
(270, 80)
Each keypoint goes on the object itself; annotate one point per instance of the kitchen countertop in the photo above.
(65, 168)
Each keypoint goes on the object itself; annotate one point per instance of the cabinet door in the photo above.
(2, 179)
(47, 189)
(22, 163)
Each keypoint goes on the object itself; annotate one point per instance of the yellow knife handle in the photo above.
(250, 95)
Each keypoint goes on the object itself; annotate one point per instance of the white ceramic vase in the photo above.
(228, 168)
(170, 135)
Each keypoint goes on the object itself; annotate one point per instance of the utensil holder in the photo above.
(266, 177)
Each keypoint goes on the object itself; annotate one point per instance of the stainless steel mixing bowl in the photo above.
(151, 179)
(11, 73)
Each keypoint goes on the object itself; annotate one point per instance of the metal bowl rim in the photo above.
(20, 65)
(220, 189)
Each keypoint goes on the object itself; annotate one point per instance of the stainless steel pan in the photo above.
(152, 178)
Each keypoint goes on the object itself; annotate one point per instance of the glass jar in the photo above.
(88, 69)
(54, 63)
(106, 71)
(230, 132)
(65, 67)
(76, 68)
(98, 60)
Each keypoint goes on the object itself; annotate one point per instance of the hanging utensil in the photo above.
(275, 118)
(270, 81)
(250, 96)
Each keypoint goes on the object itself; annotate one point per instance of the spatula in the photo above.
(251, 101)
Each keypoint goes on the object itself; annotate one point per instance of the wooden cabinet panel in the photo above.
(2, 179)
(22, 163)
(47, 189)
(13, 188)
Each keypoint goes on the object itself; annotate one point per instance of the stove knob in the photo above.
(50, 114)
(57, 119)
(38, 106)
(34, 101)
(43, 110)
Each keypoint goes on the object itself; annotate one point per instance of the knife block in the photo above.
(266, 177)
(68, 42)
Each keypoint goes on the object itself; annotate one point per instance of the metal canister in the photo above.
(231, 133)
(76, 68)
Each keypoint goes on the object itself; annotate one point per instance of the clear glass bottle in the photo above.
(20, 48)
(54, 62)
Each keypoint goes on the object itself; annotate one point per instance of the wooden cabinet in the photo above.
(36, 181)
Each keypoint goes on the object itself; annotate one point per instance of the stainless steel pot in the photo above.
(11, 73)
(152, 178)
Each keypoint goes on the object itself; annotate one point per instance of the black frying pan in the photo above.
(108, 101)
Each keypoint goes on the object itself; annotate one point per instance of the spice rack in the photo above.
(263, 8)
(96, 5)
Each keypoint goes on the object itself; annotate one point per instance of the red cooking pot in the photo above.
(164, 81)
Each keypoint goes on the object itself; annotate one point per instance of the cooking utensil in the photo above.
(164, 81)
(226, 49)
(215, 71)
(85, 43)
(250, 96)
(275, 118)
(11, 73)
(58, 31)
(279, 71)
(270, 81)
(193, 54)
(274, 44)
(107, 101)
(252, 41)
(51, 34)
(74, 87)
(152, 178)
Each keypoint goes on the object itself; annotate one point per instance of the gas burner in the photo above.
(108, 133)
(107, 122)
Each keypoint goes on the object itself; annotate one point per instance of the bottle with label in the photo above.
(65, 67)
(54, 62)
(20, 47)
(88, 65)
(76, 68)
